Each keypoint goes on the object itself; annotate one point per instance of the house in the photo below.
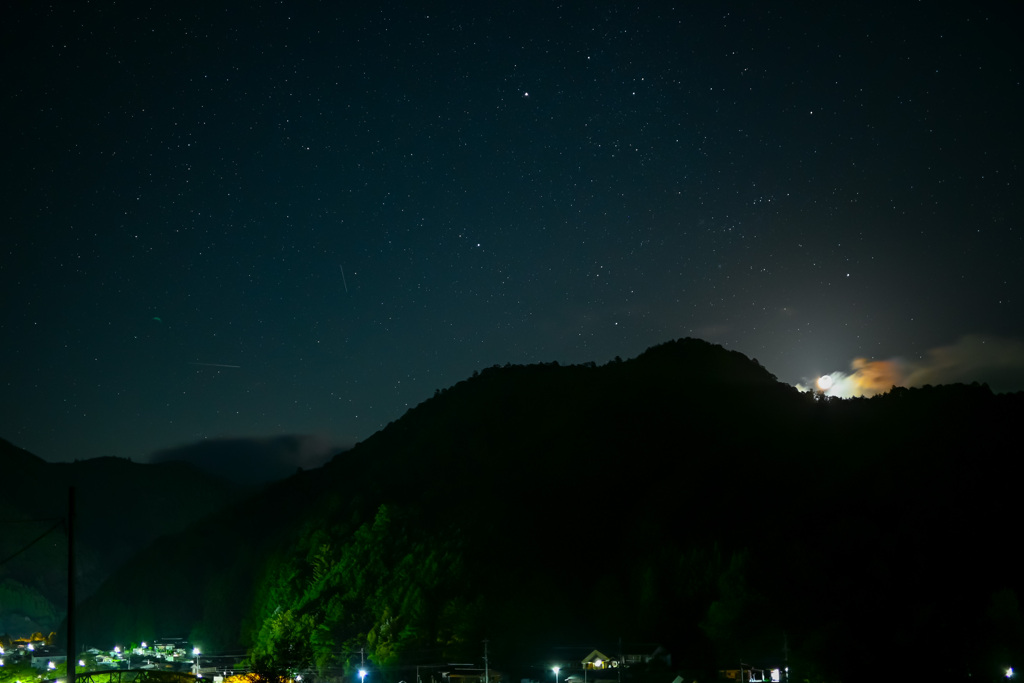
(169, 645)
(471, 675)
(598, 667)
(751, 674)
(597, 660)
(44, 658)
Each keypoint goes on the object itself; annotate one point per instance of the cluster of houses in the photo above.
(598, 667)
(571, 665)
(171, 653)
(174, 654)
(37, 649)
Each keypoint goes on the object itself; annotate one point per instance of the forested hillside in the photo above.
(684, 497)
(122, 507)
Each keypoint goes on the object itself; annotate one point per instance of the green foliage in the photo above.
(262, 670)
(388, 586)
(286, 640)
(12, 671)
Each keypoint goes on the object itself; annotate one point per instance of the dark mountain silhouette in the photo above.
(684, 497)
(122, 507)
(252, 462)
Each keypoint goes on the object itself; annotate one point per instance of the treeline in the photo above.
(684, 497)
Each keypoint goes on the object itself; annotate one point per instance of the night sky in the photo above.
(249, 220)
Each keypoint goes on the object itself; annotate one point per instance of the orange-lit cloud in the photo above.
(867, 378)
(871, 377)
(995, 361)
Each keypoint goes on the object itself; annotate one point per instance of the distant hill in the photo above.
(122, 507)
(684, 497)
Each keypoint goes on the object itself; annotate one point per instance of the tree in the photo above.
(385, 587)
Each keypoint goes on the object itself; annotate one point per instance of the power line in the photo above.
(32, 543)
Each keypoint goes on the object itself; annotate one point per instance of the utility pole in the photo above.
(622, 661)
(785, 657)
(72, 659)
(486, 668)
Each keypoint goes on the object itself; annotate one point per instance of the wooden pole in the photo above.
(72, 660)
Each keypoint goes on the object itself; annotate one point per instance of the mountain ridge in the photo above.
(708, 506)
(121, 506)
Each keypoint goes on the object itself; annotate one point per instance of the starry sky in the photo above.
(228, 220)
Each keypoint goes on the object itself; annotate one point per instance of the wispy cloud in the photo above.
(250, 461)
(996, 361)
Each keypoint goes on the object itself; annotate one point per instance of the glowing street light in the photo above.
(556, 669)
(195, 653)
(362, 675)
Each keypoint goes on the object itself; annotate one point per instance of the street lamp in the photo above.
(556, 670)
(362, 675)
(195, 653)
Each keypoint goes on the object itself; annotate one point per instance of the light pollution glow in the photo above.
(973, 358)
